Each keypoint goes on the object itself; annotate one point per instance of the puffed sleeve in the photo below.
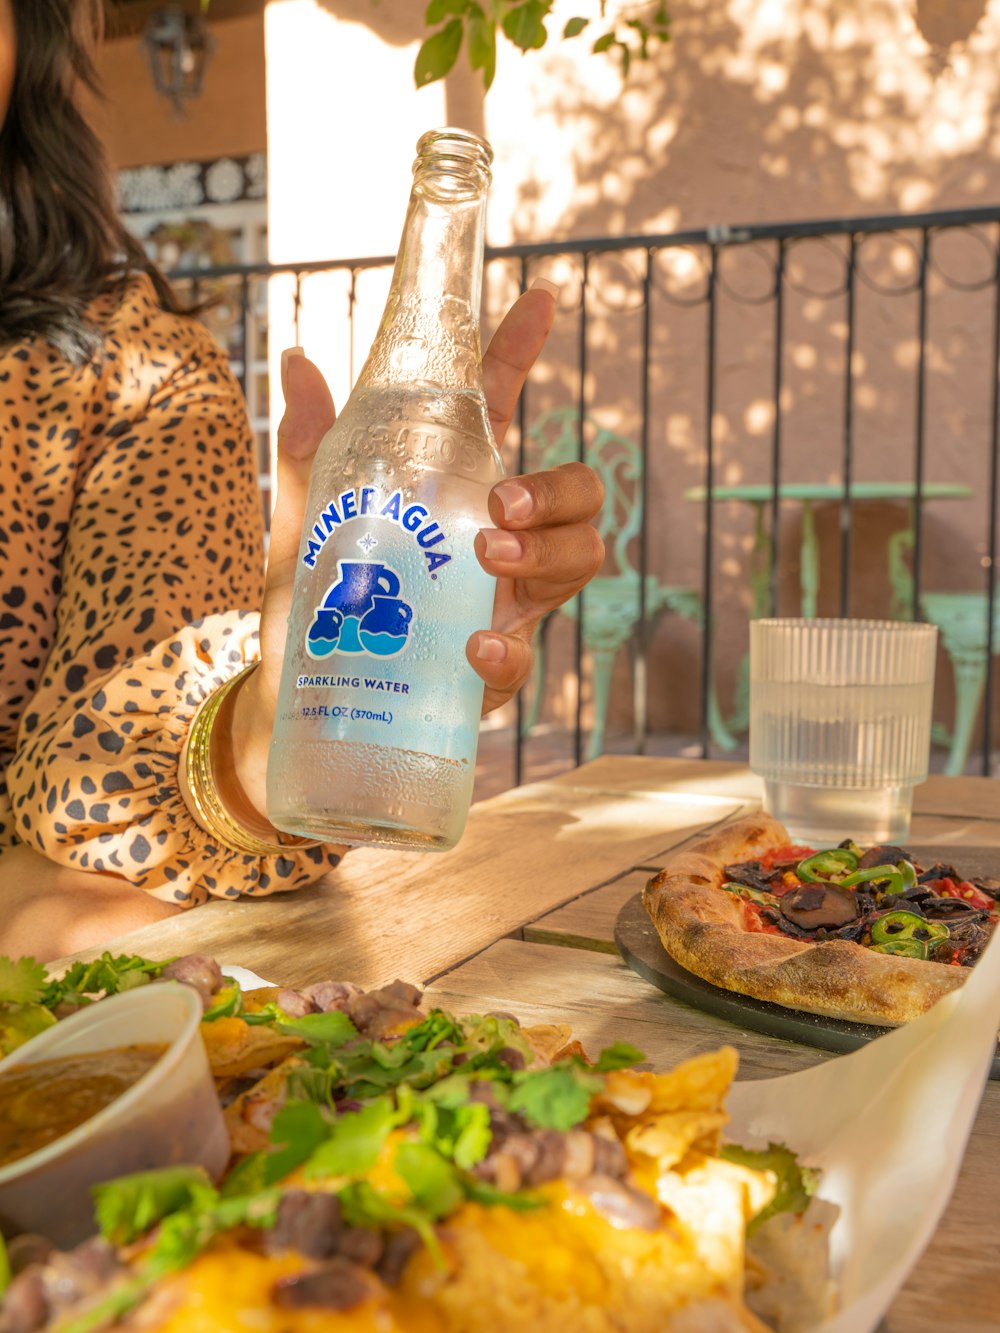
(162, 583)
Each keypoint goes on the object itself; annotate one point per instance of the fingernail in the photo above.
(502, 545)
(286, 356)
(544, 285)
(518, 502)
(491, 648)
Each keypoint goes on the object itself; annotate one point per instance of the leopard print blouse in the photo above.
(131, 574)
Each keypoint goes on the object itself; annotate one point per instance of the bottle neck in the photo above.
(429, 333)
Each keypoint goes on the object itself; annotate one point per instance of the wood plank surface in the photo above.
(588, 922)
(971, 797)
(386, 914)
(952, 1290)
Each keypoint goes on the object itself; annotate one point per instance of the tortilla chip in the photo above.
(551, 1041)
(669, 1137)
(234, 1047)
(699, 1084)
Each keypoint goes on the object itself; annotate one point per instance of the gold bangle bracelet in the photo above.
(204, 793)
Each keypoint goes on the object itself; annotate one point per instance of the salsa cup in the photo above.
(168, 1117)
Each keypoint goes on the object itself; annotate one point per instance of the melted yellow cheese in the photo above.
(560, 1267)
(230, 1289)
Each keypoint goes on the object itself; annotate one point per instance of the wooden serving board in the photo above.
(640, 947)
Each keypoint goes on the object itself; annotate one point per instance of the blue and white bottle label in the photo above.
(361, 614)
(393, 591)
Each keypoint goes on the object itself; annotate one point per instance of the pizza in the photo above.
(871, 935)
(397, 1168)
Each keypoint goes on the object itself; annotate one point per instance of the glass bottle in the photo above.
(378, 711)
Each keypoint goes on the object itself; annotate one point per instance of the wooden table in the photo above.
(520, 917)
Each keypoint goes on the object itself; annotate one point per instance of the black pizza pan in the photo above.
(640, 947)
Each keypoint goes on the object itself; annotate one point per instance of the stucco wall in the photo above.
(228, 119)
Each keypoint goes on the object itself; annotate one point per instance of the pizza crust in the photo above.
(702, 928)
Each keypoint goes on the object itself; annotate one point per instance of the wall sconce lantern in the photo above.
(178, 46)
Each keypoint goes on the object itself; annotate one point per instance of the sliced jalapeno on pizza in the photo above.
(890, 875)
(899, 928)
(904, 948)
(832, 864)
(909, 872)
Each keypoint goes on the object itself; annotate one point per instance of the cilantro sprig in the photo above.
(796, 1184)
(22, 981)
(107, 975)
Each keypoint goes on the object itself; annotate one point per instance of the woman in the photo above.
(131, 569)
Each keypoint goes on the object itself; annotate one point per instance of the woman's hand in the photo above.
(542, 550)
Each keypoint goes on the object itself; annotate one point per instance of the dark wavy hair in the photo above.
(62, 241)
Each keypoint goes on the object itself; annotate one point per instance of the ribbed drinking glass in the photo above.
(840, 724)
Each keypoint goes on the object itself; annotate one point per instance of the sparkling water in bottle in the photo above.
(378, 712)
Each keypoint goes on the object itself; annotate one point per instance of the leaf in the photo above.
(438, 54)
(431, 1031)
(474, 1135)
(5, 1273)
(487, 1034)
(574, 27)
(130, 1205)
(460, 1130)
(619, 1055)
(331, 1029)
(554, 1098)
(451, 1091)
(104, 976)
(246, 1177)
(795, 1184)
(432, 1179)
(298, 1128)
(182, 1236)
(354, 1141)
(603, 43)
(22, 980)
(438, 10)
(480, 1191)
(20, 1022)
(525, 24)
(482, 40)
(363, 1205)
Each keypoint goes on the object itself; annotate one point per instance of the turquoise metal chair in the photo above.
(961, 621)
(611, 598)
(962, 626)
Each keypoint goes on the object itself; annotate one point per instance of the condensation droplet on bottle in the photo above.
(409, 355)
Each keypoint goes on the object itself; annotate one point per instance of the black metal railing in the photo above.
(760, 353)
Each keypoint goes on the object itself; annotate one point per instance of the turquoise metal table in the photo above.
(968, 665)
(809, 494)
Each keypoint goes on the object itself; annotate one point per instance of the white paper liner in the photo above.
(888, 1126)
(247, 980)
